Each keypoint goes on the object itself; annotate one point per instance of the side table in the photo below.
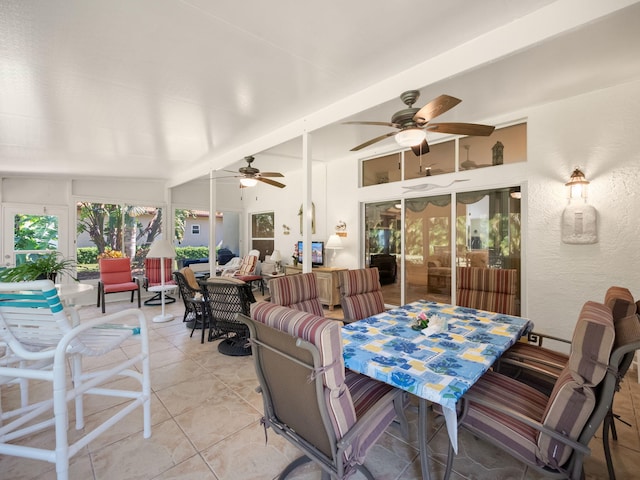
(164, 317)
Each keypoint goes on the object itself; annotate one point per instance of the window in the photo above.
(504, 145)
(262, 233)
(195, 229)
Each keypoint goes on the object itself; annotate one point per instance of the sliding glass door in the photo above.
(485, 234)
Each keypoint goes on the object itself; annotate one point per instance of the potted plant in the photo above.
(39, 267)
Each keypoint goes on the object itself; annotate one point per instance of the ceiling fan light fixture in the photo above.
(248, 182)
(410, 137)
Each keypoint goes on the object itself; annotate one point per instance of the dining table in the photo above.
(438, 363)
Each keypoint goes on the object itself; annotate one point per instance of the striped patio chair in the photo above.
(360, 293)
(333, 416)
(551, 433)
(490, 289)
(299, 292)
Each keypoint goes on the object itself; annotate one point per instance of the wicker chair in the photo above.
(224, 299)
(195, 315)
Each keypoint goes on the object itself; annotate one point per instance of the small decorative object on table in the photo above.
(430, 325)
(422, 322)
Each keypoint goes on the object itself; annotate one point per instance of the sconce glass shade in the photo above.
(410, 137)
(334, 243)
(276, 256)
(248, 182)
(577, 184)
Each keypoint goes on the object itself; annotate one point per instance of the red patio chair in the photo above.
(115, 276)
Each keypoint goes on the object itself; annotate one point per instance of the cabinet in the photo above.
(328, 283)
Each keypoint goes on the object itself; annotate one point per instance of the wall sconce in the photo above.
(577, 184)
(341, 228)
(579, 220)
(286, 230)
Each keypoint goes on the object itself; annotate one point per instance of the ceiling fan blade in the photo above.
(382, 124)
(270, 174)
(421, 148)
(372, 141)
(435, 107)
(474, 129)
(271, 182)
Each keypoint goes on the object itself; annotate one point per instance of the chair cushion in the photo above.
(360, 293)
(115, 270)
(591, 344)
(489, 289)
(614, 293)
(299, 292)
(120, 287)
(573, 399)
(247, 266)
(570, 406)
(362, 306)
(363, 280)
(153, 271)
(517, 438)
(320, 331)
(325, 334)
(190, 277)
(365, 393)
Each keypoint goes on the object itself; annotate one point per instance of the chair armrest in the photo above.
(130, 313)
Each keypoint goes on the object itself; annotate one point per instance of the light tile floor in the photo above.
(206, 425)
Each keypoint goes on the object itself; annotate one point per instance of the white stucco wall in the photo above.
(597, 131)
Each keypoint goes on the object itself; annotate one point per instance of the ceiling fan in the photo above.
(412, 123)
(428, 170)
(470, 164)
(250, 176)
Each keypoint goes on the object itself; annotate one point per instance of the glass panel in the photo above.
(34, 233)
(382, 238)
(488, 230)
(381, 170)
(505, 145)
(440, 159)
(114, 230)
(262, 233)
(428, 249)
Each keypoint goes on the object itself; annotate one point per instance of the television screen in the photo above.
(317, 253)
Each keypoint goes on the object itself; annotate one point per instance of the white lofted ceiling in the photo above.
(170, 89)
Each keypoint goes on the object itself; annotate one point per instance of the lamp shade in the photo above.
(161, 248)
(577, 184)
(248, 182)
(410, 137)
(334, 243)
(276, 256)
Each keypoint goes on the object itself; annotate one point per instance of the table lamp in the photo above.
(161, 248)
(277, 258)
(334, 243)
